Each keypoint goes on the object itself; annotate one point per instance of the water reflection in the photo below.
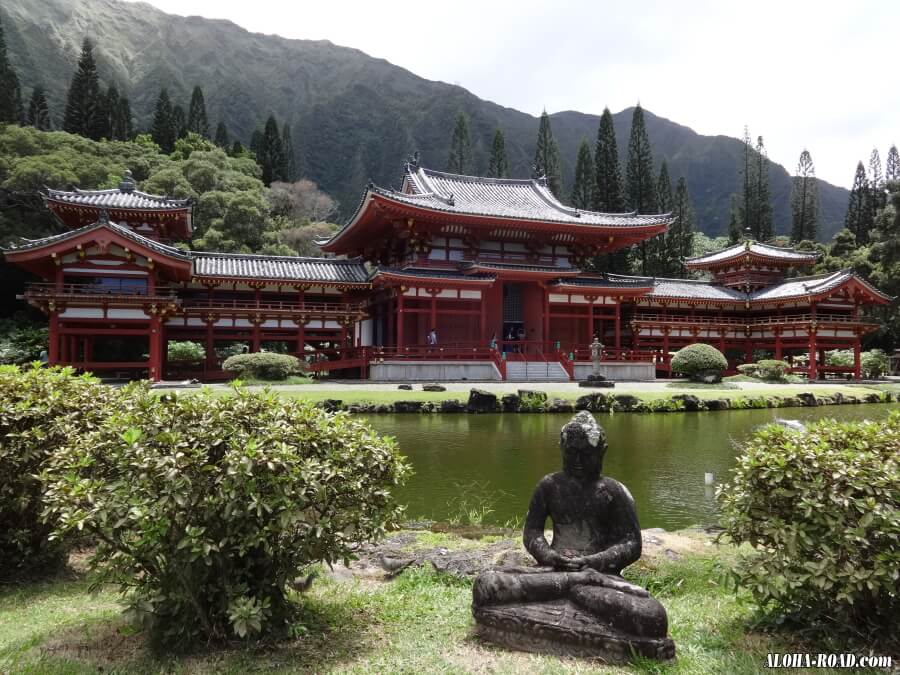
(662, 458)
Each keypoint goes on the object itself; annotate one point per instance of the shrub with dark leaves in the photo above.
(206, 508)
(263, 365)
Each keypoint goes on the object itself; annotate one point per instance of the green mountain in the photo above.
(353, 117)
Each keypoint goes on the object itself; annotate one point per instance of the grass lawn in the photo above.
(418, 623)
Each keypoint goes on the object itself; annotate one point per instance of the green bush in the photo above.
(839, 357)
(263, 365)
(40, 409)
(700, 362)
(206, 508)
(185, 353)
(21, 340)
(875, 363)
(822, 510)
(749, 369)
(770, 369)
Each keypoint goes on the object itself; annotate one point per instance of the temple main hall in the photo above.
(449, 277)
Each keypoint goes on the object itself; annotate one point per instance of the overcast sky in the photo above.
(817, 75)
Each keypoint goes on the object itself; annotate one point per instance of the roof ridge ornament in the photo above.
(127, 184)
(103, 217)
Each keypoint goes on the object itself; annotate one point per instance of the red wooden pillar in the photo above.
(778, 344)
(255, 338)
(63, 349)
(857, 358)
(590, 335)
(389, 323)
(210, 360)
(400, 319)
(155, 337)
(53, 339)
(666, 344)
(813, 355)
(301, 338)
(546, 315)
(433, 309)
(89, 348)
(482, 319)
(618, 325)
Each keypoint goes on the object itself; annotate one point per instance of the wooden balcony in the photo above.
(275, 310)
(88, 295)
(785, 320)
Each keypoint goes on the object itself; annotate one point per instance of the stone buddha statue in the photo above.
(574, 602)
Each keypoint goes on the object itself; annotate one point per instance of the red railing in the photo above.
(95, 293)
(192, 305)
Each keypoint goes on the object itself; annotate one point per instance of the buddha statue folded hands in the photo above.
(574, 602)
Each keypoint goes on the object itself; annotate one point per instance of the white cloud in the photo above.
(802, 74)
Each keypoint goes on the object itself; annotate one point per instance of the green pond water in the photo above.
(463, 462)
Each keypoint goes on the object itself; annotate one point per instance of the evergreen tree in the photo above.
(680, 238)
(546, 157)
(498, 166)
(640, 184)
(10, 93)
(236, 148)
(179, 121)
(664, 190)
(123, 129)
(38, 112)
(877, 198)
(734, 221)
(221, 138)
(858, 220)
(196, 117)
(747, 216)
(256, 142)
(584, 188)
(764, 229)
(164, 131)
(460, 158)
(804, 201)
(289, 166)
(271, 153)
(607, 175)
(82, 115)
(892, 166)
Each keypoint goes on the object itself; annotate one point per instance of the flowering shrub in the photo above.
(204, 508)
(822, 510)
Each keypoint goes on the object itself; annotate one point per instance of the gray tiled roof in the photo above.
(804, 286)
(682, 288)
(777, 252)
(504, 198)
(428, 272)
(117, 198)
(285, 268)
(607, 281)
(524, 267)
(126, 232)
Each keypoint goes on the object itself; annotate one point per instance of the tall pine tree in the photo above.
(747, 215)
(877, 197)
(498, 165)
(664, 190)
(680, 238)
(10, 93)
(764, 229)
(289, 162)
(164, 131)
(38, 113)
(607, 175)
(640, 183)
(804, 201)
(271, 153)
(120, 125)
(83, 115)
(858, 219)
(460, 158)
(734, 221)
(546, 157)
(179, 121)
(221, 138)
(196, 117)
(583, 190)
(662, 258)
(892, 166)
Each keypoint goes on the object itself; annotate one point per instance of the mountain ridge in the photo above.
(353, 117)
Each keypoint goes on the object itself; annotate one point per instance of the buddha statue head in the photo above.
(583, 444)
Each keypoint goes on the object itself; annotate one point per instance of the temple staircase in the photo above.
(536, 371)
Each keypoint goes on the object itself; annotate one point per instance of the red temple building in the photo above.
(449, 277)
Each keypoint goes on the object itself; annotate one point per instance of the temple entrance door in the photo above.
(513, 324)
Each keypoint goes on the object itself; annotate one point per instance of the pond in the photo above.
(469, 462)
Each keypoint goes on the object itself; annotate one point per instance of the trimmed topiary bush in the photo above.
(822, 510)
(749, 369)
(770, 369)
(875, 363)
(700, 362)
(205, 508)
(40, 410)
(263, 365)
